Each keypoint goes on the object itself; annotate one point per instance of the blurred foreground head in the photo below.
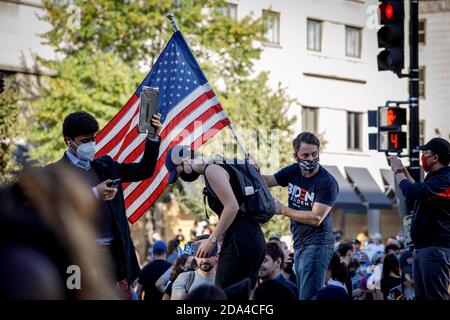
(46, 233)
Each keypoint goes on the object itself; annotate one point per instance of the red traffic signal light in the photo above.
(387, 11)
(391, 35)
(391, 11)
(391, 117)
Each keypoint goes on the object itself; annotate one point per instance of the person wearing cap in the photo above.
(244, 247)
(152, 271)
(430, 224)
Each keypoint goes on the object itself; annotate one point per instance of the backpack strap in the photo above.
(205, 189)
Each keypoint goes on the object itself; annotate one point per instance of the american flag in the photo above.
(190, 113)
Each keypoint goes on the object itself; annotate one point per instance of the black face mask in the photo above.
(287, 266)
(189, 177)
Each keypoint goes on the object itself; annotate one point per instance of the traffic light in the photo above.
(391, 35)
(389, 121)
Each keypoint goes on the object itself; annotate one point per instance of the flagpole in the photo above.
(237, 138)
(175, 28)
(171, 18)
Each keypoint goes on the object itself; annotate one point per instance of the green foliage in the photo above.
(97, 83)
(138, 30)
(9, 117)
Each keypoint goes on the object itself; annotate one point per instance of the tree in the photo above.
(9, 117)
(138, 30)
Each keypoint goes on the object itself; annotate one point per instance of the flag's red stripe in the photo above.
(155, 194)
(148, 203)
(190, 128)
(183, 113)
(110, 125)
(108, 147)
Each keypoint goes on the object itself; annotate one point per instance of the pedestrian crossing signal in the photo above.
(389, 122)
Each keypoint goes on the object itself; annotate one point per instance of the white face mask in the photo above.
(86, 151)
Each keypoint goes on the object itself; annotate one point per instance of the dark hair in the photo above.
(338, 269)
(357, 242)
(173, 245)
(345, 247)
(444, 159)
(305, 137)
(274, 251)
(78, 124)
(391, 247)
(177, 266)
(390, 263)
(207, 292)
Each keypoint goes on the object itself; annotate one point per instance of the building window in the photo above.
(421, 132)
(354, 131)
(272, 21)
(309, 119)
(314, 35)
(422, 82)
(422, 31)
(229, 10)
(353, 42)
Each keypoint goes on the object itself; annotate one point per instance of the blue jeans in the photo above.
(431, 269)
(310, 266)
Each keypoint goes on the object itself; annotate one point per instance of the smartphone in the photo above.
(196, 245)
(114, 183)
(148, 108)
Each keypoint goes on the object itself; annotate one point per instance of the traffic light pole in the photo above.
(414, 166)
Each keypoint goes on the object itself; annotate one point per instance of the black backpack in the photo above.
(258, 203)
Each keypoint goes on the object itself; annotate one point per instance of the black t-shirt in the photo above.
(303, 193)
(149, 275)
(388, 283)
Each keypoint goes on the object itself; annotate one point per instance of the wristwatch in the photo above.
(399, 171)
(212, 238)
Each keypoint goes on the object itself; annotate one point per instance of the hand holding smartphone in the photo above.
(114, 183)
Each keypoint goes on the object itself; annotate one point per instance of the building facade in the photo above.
(324, 53)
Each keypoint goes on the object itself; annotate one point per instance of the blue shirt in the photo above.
(303, 192)
(288, 283)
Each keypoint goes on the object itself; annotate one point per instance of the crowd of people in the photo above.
(65, 235)
(371, 269)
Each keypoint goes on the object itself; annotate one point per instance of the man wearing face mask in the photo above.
(430, 224)
(312, 191)
(79, 129)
